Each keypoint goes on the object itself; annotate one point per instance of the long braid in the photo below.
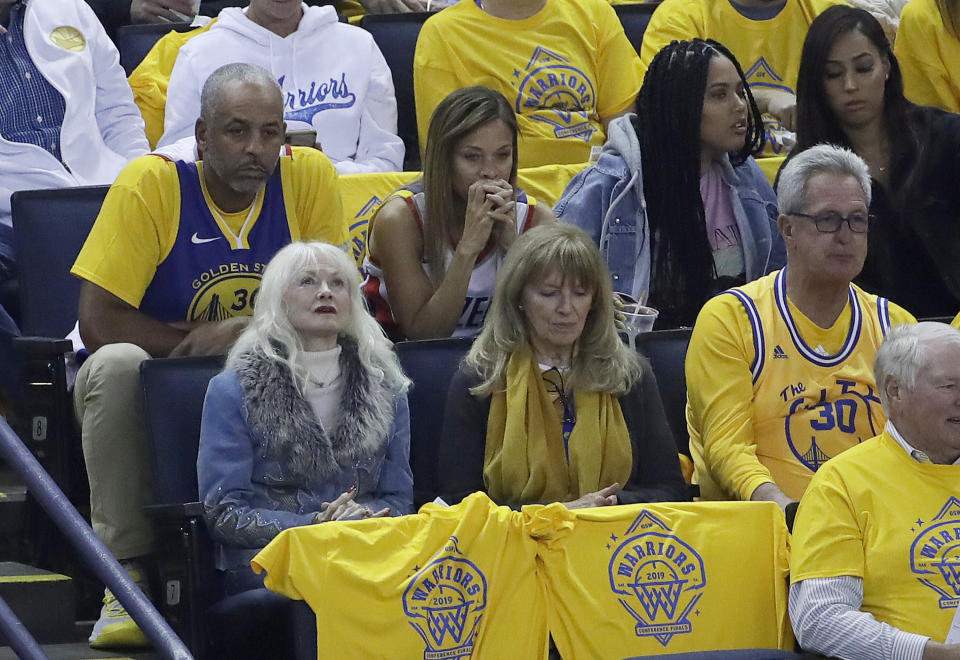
(669, 109)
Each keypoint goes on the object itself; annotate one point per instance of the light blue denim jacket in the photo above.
(606, 200)
(247, 492)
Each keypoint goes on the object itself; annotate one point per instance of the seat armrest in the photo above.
(42, 346)
(178, 511)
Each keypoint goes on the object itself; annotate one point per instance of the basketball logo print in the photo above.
(657, 577)
(822, 423)
(935, 554)
(445, 601)
(555, 92)
(224, 296)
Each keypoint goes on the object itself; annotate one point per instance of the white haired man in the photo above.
(779, 371)
(875, 561)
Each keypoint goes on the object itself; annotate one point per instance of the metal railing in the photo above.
(92, 551)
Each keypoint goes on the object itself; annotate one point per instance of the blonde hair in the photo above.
(271, 333)
(602, 362)
(459, 114)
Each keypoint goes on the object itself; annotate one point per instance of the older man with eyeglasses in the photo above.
(779, 371)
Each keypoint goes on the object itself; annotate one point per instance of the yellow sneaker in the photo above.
(116, 628)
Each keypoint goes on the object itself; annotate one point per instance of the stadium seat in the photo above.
(173, 394)
(430, 364)
(50, 227)
(667, 351)
(634, 18)
(396, 36)
(135, 41)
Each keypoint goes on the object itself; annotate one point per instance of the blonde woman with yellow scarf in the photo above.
(550, 405)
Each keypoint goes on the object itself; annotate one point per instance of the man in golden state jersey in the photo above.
(875, 564)
(779, 371)
(173, 267)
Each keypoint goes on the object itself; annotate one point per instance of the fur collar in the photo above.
(289, 431)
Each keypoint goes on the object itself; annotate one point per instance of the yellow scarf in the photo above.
(524, 461)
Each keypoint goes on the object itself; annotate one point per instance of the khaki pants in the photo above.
(107, 398)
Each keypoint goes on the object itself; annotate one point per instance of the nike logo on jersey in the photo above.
(196, 240)
(778, 353)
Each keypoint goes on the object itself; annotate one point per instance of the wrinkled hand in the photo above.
(604, 497)
(213, 338)
(345, 508)
(159, 11)
(780, 104)
(393, 6)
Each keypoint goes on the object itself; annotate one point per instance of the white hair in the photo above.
(819, 159)
(271, 332)
(904, 353)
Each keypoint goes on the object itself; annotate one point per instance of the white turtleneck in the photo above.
(324, 386)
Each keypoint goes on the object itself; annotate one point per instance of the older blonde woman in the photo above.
(309, 422)
(549, 404)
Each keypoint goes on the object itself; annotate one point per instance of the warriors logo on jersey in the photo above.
(761, 74)
(935, 554)
(224, 292)
(445, 601)
(553, 91)
(657, 577)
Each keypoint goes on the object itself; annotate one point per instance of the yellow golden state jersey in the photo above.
(877, 514)
(813, 388)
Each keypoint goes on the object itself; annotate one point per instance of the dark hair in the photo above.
(459, 114)
(669, 111)
(816, 122)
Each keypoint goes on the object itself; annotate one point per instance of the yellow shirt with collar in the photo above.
(771, 396)
(877, 514)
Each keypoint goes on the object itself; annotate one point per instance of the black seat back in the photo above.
(135, 41)
(173, 390)
(634, 18)
(396, 36)
(50, 227)
(667, 352)
(430, 364)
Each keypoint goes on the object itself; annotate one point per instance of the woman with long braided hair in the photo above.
(676, 202)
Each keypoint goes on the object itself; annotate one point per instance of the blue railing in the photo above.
(92, 550)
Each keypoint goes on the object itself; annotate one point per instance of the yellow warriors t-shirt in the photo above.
(771, 396)
(562, 70)
(657, 579)
(476, 580)
(447, 583)
(877, 514)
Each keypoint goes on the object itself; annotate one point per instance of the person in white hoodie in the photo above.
(67, 116)
(333, 78)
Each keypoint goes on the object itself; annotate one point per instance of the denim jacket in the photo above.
(606, 200)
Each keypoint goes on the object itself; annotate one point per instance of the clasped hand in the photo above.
(491, 208)
(345, 508)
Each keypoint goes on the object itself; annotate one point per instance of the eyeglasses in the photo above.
(830, 221)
